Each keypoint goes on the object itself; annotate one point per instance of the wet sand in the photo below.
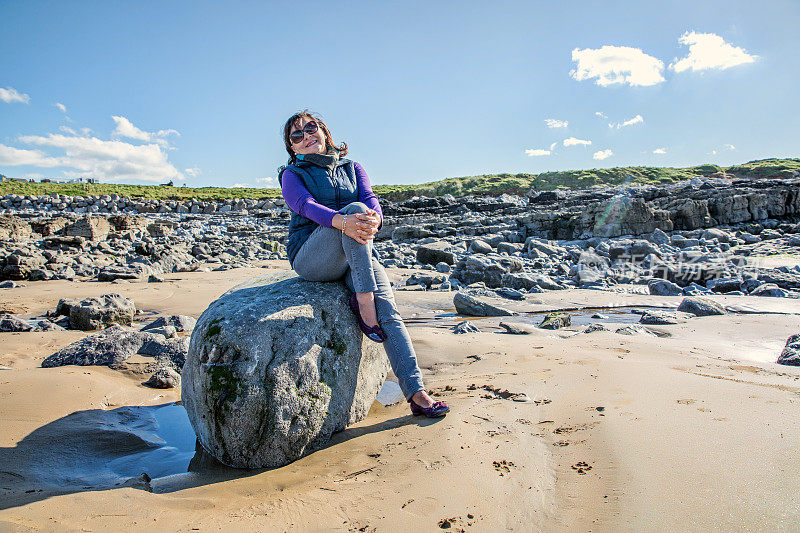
(694, 431)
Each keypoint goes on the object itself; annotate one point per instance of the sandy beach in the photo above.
(691, 431)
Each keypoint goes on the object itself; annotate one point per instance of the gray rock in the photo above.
(168, 331)
(791, 352)
(96, 313)
(471, 306)
(436, 252)
(663, 318)
(699, 306)
(179, 322)
(276, 365)
(92, 228)
(517, 328)
(769, 289)
(135, 271)
(165, 378)
(662, 287)
(659, 237)
(480, 247)
(108, 347)
(172, 351)
(556, 321)
(407, 233)
(11, 323)
(443, 267)
(511, 294)
(465, 327)
(595, 327)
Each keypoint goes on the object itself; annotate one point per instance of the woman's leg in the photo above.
(399, 349)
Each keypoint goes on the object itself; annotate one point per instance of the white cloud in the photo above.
(10, 95)
(600, 114)
(660, 151)
(15, 156)
(555, 123)
(602, 154)
(553, 145)
(710, 51)
(68, 130)
(630, 122)
(271, 181)
(617, 64)
(192, 172)
(126, 129)
(572, 141)
(729, 146)
(241, 185)
(86, 131)
(535, 152)
(713, 152)
(112, 160)
(61, 107)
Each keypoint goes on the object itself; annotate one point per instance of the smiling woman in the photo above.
(335, 216)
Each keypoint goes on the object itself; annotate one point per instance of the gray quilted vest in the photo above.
(332, 183)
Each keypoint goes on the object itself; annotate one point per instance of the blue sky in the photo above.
(197, 92)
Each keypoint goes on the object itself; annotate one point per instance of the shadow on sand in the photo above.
(96, 450)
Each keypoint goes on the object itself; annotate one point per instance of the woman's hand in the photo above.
(362, 227)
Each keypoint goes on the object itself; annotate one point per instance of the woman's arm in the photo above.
(365, 193)
(301, 202)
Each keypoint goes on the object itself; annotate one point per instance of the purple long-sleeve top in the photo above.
(300, 200)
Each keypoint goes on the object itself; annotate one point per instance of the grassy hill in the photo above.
(491, 184)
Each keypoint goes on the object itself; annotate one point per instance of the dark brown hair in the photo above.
(287, 128)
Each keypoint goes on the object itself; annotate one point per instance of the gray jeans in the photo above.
(328, 255)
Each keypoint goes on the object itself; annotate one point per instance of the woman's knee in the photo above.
(354, 207)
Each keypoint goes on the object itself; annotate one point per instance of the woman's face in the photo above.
(311, 144)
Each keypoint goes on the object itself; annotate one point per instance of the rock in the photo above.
(135, 271)
(663, 318)
(480, 247)
(443, 267)
(693, 289)
(179, 322)
(92, 228)
(465, 327)
(595, 327)
(436, 252)
(511, 294)
(13, 228)
(791, 352)
(517, 328)
(471, 306)
(659, 237)
(699, 306)
(11, 323)
(769, 289)
(165, 378)
(662, 287)
(277, 365)
(108, 347)
(46, 325)
(173, 350)
(8, 284)
(168, 331)
(556, 321)
(408, 233)
(96, 313)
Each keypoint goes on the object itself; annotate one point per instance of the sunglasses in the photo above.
(297, 135)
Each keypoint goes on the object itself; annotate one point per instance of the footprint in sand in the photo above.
(687, 401)
(582, 467)
(456, 523)
(503, 466)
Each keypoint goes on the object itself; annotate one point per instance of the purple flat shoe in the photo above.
(434, 411)
(373, 333)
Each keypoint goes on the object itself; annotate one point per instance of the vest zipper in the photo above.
(335, 186)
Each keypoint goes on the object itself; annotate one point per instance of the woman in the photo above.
(335, 216)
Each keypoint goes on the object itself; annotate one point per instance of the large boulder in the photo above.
(699, 306)
(436, 252)
(95, 313)
(471, 306)
(277, 365)
(89, 227)
(109, 347)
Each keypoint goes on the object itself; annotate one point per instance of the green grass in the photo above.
(487, 184)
